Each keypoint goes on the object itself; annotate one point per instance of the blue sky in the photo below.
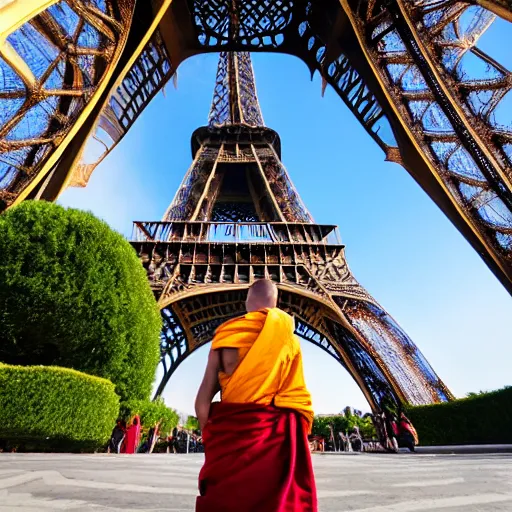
(398, 243)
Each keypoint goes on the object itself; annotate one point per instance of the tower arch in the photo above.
(189, 324)
(236, 218)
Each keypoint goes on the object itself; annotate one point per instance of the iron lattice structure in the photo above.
(76, 74)
(236, 218)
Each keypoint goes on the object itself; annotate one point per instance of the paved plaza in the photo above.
(158, 483)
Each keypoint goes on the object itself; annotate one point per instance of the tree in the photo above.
(73, 294)
(192, 423)
(151, 414)
(343, 423)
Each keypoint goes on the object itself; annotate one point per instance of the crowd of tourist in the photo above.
(393, 432)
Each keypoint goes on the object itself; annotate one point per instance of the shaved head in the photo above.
(262, 294)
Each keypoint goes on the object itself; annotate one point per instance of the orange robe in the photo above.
(270, 362)
(257, 456)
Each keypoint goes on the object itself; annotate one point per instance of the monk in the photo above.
(257, 455)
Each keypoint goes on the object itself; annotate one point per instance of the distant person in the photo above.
(393, 432)
(345, 443)
(132, 438)
(117, 437)
(330, 445)
(257, 456)
(153, 437)
(380, 429)
(150, 441)
(408, 436)
(356, 440)
(174, 440)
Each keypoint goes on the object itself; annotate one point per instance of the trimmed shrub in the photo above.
(479, 419)
(57, 409)
(151, 413)
(73, 293)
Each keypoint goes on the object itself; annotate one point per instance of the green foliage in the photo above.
(55, 408)
(73, 294)
(472, 394)
(151, 413)
(344, 424)
(483, 418)
(367, 428)
(192, 423)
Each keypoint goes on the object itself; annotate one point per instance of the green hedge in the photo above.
(74, 294)
(151, 413)
(479, 419)
(55, 409)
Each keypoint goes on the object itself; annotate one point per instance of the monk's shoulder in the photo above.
(251, 316)
(291, 341)
(230, 322)
(247, 325)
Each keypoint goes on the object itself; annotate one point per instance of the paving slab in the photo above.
(160, 482)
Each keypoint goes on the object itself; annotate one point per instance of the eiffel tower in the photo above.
(236, 218)
(76, 74)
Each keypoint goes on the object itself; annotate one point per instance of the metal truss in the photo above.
(175, 349)
(144, 80)
(200, 270)
(410, 71)
(52, 69)
(450, 97)
(199, 189)
(384, 338)
(235, 103)
(196, 318)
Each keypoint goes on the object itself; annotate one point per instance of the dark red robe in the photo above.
(257, 459)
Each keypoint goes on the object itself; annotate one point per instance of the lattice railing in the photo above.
(252, 232)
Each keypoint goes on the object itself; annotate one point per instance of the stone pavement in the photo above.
(158, 483)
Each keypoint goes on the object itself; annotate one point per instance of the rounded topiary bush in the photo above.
(73, 293)
(52, 408)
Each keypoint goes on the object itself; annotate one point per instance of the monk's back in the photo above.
(262, 361)
(229, 360)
